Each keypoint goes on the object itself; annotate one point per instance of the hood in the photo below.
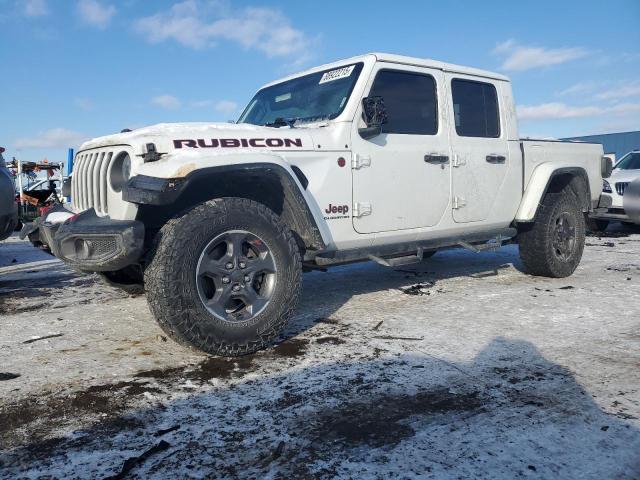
(169, 137)
(619, 175)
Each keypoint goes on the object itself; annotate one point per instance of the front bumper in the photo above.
(610, 207)
(91, 243)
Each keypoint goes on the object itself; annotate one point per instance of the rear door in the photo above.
(401, 178)
(479, 146)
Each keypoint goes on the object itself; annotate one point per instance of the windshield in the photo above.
(314, 97)
(630, 161)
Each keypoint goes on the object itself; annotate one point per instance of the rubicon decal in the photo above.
(238, 143)
(336, 211)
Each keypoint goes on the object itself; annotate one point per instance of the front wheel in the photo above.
(552, 246)
(225, 277)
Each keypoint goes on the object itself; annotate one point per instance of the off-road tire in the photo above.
(170, 277)
(596, 224)
(536, 240)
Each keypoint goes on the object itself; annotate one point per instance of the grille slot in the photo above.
(621, 187)
(103, 246)
(90, 183)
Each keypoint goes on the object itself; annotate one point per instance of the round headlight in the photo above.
(120, 171)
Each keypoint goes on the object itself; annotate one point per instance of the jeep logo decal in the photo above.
(336, 211)
(238, 143)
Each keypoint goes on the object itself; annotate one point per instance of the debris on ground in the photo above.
(132, 462)
(391, 337)
(164, 431)
(45, 337)
(8, 376)
(418, 289)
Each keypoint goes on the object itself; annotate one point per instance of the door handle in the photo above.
(436, 158)
(493, 158)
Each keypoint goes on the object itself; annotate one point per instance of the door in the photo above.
(401, 178)
(480, 153)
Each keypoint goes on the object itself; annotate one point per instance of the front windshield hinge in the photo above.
(152, 154)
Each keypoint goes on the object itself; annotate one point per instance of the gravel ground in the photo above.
(459, 367)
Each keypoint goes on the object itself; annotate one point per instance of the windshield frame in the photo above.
(359, 68)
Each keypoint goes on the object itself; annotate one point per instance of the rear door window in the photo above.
(475, 108)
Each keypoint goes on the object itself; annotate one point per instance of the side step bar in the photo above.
(413, 252)
(398, 261)
(492, 245)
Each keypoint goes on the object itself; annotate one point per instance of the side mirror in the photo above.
(66, 187)
(606, 166)
(375, 115)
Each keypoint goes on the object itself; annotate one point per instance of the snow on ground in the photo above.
(459, 367)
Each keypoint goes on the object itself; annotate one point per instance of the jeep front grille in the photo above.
(89, 186)
(621, 187)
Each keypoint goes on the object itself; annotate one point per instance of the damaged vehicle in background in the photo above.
(379, 157)
(8, 203)
(624, 173)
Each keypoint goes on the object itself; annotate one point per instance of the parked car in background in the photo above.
(612, 207)
(8, 204)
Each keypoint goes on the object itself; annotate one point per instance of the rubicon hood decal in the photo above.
(211, 136)
(273, 142)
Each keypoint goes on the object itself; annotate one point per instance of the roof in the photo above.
(401, 60)
(447, 67)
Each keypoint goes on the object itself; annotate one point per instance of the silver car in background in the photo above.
(626, 171)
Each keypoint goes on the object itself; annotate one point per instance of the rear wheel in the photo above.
(552, 246)
(224, 277)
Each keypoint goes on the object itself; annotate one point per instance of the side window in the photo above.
(410, 100)
(475, 108)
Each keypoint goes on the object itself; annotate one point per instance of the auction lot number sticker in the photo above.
(336, 74)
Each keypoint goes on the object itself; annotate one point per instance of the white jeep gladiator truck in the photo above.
(378, 157)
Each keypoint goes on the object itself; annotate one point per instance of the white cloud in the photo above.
(631, 89)
(166, 101)
(95, 14)
(34, 8)
(624, 108)
(201, 103)
(199, 24)
(580, 88)
(54, 138)
(83, 104)
(555, 110)
(226, 107)
(521, 57)
(559, 110)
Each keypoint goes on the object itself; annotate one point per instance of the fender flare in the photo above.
(540, 183)
(296, 210)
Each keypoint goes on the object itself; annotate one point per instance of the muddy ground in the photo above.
(460, 367)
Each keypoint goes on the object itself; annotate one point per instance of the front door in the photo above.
(401, 178)
(479, 145)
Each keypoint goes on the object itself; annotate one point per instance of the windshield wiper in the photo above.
(282, 122)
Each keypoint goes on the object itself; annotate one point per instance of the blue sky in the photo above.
(73, 69)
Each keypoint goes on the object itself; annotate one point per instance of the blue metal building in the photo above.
(618, 143)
